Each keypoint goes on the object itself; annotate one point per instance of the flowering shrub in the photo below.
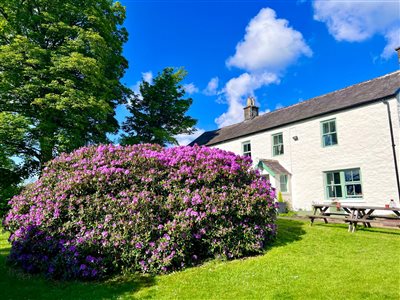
(102, 209)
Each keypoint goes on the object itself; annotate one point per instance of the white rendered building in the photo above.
(335, 147)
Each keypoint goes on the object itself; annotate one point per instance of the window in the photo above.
(353, 183)
(283, 180)
(246, 149)
(344, 184)
(277, 144)
(266, 176)
(329, 135)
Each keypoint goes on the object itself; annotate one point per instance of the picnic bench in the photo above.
(355, 214)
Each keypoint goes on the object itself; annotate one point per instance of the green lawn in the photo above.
(319, 262)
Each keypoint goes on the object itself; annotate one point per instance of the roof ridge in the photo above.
(351, 96)
(334, 92)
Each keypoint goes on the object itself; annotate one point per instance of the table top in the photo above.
(354, 206)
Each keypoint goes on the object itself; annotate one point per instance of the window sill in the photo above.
(346, 200)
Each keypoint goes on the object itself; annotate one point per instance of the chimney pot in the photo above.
(251, 110)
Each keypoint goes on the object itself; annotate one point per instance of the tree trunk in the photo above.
(46, 151)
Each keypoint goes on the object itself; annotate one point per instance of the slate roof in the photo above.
(356, 95)
(274, 166)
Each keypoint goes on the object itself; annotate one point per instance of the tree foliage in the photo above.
(158, 112)
(60, 71)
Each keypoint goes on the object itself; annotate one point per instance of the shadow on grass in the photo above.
(361, 228)
(15, 284)
(289, 231)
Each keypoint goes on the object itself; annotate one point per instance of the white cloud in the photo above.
(185, 139)
(264, 111)
(393, 41)
(212, 87)
(278, 106)
(148, 76)
(269, 44)
(236, 90)
(190, 88)
(356, 21)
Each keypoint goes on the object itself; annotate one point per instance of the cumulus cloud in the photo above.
(393, 41)
(269, 44)
(212, 87)
(237, 89)
(356, 21)
(148, 77)
(185, 139)
(190, 88)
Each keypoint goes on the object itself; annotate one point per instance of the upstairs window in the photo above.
(277, 144)
(246, 149)
(344, 184)
(329, 135)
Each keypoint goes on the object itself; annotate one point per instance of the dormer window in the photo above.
(277, 144)
(246, 146)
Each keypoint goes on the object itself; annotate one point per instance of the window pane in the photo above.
(275, 139)
(331, 193)
(350, 190)
(332, 126)
(327, 140)
(348, 175)
(325, 128)
(338, 190)
(280, 138)
(329, 178)
(334, 139)
(245, 148)
(336, 177)
(283, 183)
(358, 190)
(356, 175)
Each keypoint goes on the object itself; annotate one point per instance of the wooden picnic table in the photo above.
(364, 214)
(354, 214)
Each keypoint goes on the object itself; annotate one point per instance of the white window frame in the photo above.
(329, 134)
(284, 182)
(248, 151)
(279, 146)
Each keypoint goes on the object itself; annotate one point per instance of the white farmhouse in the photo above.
(336, 146)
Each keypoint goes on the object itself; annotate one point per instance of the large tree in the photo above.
(60, 68)
(158, 112)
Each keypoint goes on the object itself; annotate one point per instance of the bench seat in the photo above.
(362, 221)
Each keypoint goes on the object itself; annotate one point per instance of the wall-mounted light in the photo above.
(295, 138)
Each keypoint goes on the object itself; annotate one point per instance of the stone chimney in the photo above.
(251, 110)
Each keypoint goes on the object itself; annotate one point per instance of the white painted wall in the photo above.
(363, 142)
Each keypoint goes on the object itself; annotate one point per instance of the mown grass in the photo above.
(319, 262)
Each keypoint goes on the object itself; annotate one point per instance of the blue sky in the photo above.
(280, 52)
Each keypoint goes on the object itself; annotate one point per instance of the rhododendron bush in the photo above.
(100, 210)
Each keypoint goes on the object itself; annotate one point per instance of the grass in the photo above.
(319, 262)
